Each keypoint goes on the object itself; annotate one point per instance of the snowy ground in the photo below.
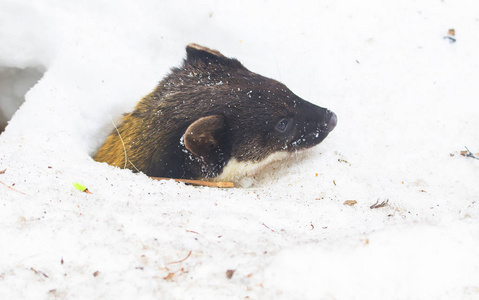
(406, 100)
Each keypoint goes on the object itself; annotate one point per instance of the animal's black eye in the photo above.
(282, 125)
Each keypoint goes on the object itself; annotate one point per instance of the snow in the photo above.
(406, 100)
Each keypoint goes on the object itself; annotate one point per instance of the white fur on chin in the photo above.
(235, 170)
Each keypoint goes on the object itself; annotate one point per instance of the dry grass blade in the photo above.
(180, 261)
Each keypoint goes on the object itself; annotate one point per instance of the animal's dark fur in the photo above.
(208, 111)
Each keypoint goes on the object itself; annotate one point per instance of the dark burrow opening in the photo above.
(14, 84)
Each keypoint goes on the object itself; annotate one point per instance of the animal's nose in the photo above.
(331, 123)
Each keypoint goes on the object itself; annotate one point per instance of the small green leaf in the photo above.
(79, 186)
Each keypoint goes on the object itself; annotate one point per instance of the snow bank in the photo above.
(422, 261)
(406, 102)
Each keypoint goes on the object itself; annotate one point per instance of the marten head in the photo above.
(213, 118)
(236, 116)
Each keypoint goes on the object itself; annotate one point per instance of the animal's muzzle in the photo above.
(330, 122)
(313, 125)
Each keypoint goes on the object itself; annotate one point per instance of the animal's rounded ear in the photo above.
(195, 52)
(203, 137)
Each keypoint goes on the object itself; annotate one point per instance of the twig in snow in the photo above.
(199, 182)
(180, 261)
(9, 187)
(268, 227)
(378, 205)
(39, 272)
(468, 153)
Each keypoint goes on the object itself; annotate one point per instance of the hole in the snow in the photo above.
(14, 84)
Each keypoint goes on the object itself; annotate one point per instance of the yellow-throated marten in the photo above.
(210, 118)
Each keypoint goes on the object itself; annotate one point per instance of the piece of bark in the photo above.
(229, 273)
(350, 202)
